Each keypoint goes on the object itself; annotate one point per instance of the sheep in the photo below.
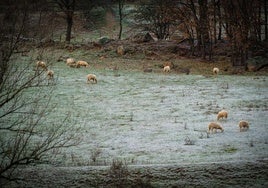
(243, 125)
(216, 70)
(41, 64)
(214, 126)
(222, 114)
(82, 64)
(92, 77)
(168, 63)
(120, 50)
(74, 66)
(70, 61)
(50, 74)
(166, 69)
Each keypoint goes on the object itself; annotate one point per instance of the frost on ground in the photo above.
(147, 118)
(160, 119)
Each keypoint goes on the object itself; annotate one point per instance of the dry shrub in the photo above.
(118, 173)
(188, 141)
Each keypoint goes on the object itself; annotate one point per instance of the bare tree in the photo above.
(121, 16)
(157, 16)
(265, 7)
(240, 17)
(68, 7)
(26, 133)
(203, 28)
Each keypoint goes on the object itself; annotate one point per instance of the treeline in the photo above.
(242, 23)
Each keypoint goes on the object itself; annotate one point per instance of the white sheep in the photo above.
(216, 70)
(91, 77)
(82, 64)
(41, 64)
(70, 61)
(168, 63)
(50, 74)
(166, 69)
(213, 127)
(243, 125)
(222, 114)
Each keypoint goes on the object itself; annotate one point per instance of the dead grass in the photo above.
(107, 58)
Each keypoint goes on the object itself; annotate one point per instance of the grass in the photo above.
(143, 116)
(229, 149)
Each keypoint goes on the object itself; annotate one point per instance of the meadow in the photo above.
(158, 118)
(150, 129)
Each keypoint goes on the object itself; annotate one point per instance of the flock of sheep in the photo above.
(213, 126)
(43, 65)
(70, 62)
(77, 64)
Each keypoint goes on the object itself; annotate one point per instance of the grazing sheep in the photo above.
(120, 50)
(74, 66)
(243, 125)
(213, 127)
(222, 114)
(166, 69)
(216, 70)
(41, 64)
(70, 61)
(50, 74)
(82, 64)
(91, 77)
(168, 63)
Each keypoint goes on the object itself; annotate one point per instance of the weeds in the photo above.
(95, 154)
(188, 141)
(118, 173)
(204, 136)
(251, 143)
(185, 126)
(230, 149)
(143, 182)
(131, 116)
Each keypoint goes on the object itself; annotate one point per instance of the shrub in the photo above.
(118, 173)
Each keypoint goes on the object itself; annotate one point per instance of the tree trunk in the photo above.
(214, 21)
(69, 20)
(266, 20)
(68, 7)
(203, 27)
(220, 19)
(120, 6)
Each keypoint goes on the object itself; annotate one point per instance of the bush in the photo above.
(118, 173)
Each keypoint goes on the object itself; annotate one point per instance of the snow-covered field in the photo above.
(157, 118)
(156, 124)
